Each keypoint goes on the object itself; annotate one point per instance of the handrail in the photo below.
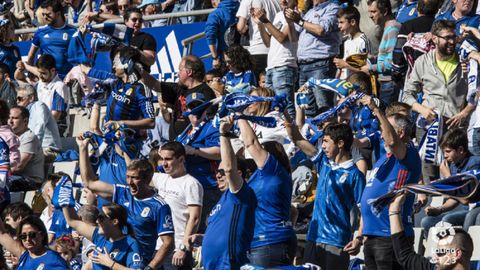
(145, 18)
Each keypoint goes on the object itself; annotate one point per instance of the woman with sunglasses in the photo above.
(31, 246)
(116, 248)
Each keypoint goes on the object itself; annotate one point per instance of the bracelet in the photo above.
(394, 213)
(114, 262)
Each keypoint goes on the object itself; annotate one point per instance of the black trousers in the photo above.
(379, 255)
(326, 256)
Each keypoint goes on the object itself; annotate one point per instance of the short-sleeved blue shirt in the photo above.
(230, 230)
(407, 11)
(150, 218)
(129, 102)
(339, 188)
(126, 251)
(10, 55)
(55, 41)
(272, 184)
(390, 173)
(51, 260)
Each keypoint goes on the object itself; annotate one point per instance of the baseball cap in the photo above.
(195, 96)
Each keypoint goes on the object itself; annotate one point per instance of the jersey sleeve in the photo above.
(134, 257)
(119, 194)
(164, 221)
(213, 138)
(97, 238)
(58, 101)
(144, 98)
(194, 193)
(36, 39)
(246, 195)
(358, 184)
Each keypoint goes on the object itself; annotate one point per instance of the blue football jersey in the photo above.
(59, 225)
(377, 145)
(407, 11)
(129, 102)
(230, 230)
(55, 41)
(339, 188)
(112, 167)
(472, 21)
(51, 260)
(126, 251)
(202, 169)
(390, 173)
(150, 218)
(273, 188)
(10, 55)
(363, 122)
(232, 80)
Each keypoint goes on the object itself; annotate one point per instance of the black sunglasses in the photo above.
(20, 98)
(30, 235)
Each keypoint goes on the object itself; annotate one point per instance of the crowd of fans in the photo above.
(302, 122)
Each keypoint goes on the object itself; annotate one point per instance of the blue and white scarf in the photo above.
(347, 103)
(340, 87)
(429, 147)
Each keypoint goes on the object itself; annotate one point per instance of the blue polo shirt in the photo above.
(230, 230)
(339, 188)
(51, 260)
(390, 173)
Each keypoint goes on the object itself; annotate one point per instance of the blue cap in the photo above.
(195, 96)
(149, 2)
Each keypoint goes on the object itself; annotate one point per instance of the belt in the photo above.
(311, 61)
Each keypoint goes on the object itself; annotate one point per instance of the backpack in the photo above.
(232, 37)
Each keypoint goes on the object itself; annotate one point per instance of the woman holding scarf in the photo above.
(202, 145)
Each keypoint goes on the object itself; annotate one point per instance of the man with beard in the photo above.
(438, 74)
(148, 214)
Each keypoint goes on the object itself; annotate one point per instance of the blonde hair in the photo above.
(264, 107)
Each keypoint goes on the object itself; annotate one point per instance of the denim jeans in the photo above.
(456, 217)
(476, 142)
(378, 252)
(388, 92)
(322, 69)
(273, 255)
(282, 80)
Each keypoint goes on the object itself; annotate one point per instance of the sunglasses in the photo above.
(21, 98)
(25, 236)
(102, 216)
(221, 172)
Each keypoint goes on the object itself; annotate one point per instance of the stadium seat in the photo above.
(474, 231)
(67, 167)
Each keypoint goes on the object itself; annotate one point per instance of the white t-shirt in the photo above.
(272, 7)
(281, 54)
(179, 193)
(46, 92)
(358, 45)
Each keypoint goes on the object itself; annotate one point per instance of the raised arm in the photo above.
(73, 221)
(229, 161)
(88, 176)
(297, 138)
(252, 145)
(389, 134)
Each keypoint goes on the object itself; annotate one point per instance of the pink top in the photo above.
(13, 144)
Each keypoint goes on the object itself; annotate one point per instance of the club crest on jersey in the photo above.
(65, 36)
(168, 222)
(411, 12)
(129, 91)
(343, 178)
(40, 266)
(145, 212)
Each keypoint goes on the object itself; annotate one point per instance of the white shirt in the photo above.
(272, 7)
(46, 92)
(179, 193)
(358, 45)
(281, 54)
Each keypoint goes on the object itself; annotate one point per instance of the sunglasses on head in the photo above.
(221, 172)
(30, 235)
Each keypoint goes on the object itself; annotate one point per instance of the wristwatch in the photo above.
(301, 22)
(183, 248)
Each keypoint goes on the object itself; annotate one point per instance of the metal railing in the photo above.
(145, 18)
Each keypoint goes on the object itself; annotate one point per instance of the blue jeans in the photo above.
(322, 69)
(388, 92)
(456, 217)
(273, 255)
(282, 80)
(476, 142)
